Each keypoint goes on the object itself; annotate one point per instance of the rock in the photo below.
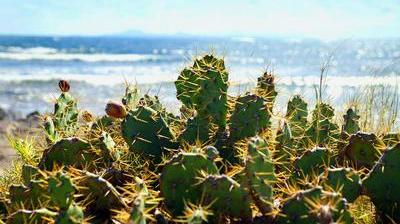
(3, 114)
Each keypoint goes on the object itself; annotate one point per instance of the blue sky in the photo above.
(324, 19)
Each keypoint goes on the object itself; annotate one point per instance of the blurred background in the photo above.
(100, 44)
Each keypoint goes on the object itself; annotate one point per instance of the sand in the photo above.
(20, 128)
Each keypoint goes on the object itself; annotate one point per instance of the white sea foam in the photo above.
(49, 55)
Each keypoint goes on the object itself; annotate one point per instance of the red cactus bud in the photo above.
(115, 110)
(63, 85)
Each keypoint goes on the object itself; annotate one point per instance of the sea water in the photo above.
(98, 67)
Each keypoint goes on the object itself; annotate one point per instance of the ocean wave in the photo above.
(44, 54)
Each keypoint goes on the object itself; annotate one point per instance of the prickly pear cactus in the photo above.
(314, 206)
(197, 129)
(195, 214)
(346, 181)
(312, 162)
(249, 117)
(363, 149)
(382, 185)
(203, 87)
(147, 133)
(50, 130)
(266, 88)
(65, 110)
(72, 215)
(61, 190)
(290, 134)
(391, 139)
(227, 197)
(107, 146)
(179, 179)
(131, 97)
(260, 176)
(322, 131)
(99, 195)
(351, 125)
(42, 215)
(296, 116)
(67, 152)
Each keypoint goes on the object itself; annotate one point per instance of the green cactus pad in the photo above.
(72, 215)
(227, 197)
(67, 152)
(147, 133)
(351, 125)
(204, 87)
(61, 190)
(179, 179)
(65, 113)
(363, 149)
(259, 169)
(296, 116)
(382, 185)
(312, 162)
(345, 181)
(299, 208)
(132, 96)
(249, 117)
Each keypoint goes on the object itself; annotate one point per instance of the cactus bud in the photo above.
(87, 116)
(64, 86)
(115, 110)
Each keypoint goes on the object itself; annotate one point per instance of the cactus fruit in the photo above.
(314, 206)
(115, 110)
(179, 179)
(259, 169)
(64, 86)
(249, 117)
(363, 149)
(382, 185)
(345, 181)
(227, 197)
(67, 152)
(312, 162)
(147, 133)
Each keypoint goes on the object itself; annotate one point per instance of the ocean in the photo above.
(98, 67)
